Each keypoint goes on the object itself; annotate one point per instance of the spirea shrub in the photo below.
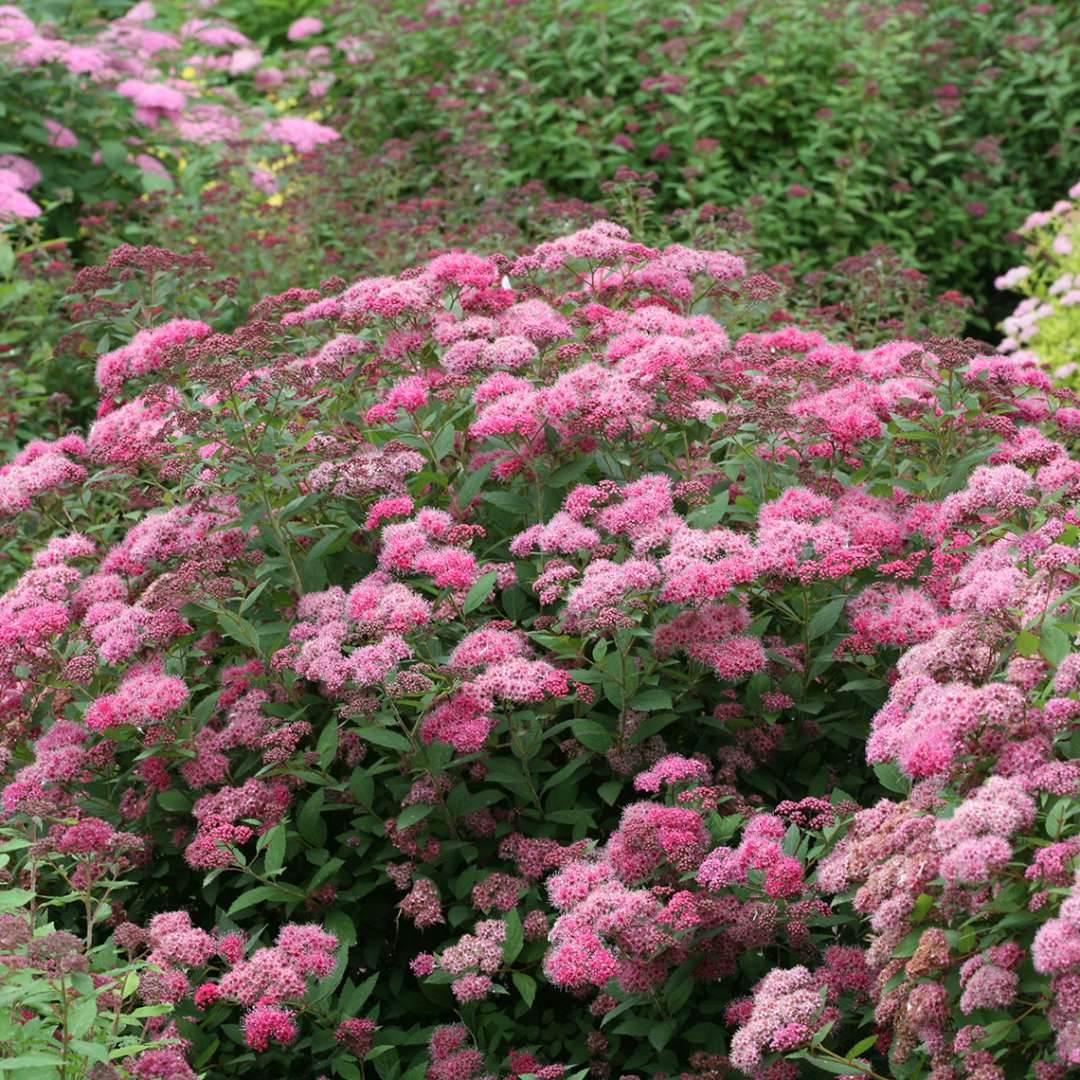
(513, 667)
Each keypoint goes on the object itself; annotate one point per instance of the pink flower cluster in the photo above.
(148, 352)
(17, 176)
(41, 468)
(759, 850)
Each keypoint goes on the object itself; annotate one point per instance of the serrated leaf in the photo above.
(310, 823)
(610, 791)
(659, 1034)
(443, 443)
(923, 903)
(239, 629)
(342, 927)
(352, 1001)
(473, 482)
(1058, 814)
(327, 745)
(13, 898)
(652, 725)
(81, 1016)
(27, 1061)
(1027, 644)
(174, 801)
(592, 735)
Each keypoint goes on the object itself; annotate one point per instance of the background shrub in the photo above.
(921, 126)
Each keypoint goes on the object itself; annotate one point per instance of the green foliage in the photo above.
(924, 127)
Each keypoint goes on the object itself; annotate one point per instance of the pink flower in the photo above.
(673, 769)
(145, 696)
(267, 1023)
(471, 987)
(148, 351)
(14, 202)
(422, 903)
(304, 27)
(1012, 277)
(59, 136)
(357, 1036)
(301, 134)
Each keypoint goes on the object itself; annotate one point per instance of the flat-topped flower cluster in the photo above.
(517, 658)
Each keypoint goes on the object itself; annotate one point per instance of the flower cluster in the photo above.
(545, 633)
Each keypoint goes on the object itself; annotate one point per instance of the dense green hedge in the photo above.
(932, 127)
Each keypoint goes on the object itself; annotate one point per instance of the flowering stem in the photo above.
(271, 515)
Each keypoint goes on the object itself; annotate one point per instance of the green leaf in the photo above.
(175, 801)
(152, 182)
(239, 629)
(651, 700)
(891, 778)
(352, 1001)
(380, 736)
(652, 725)
(1027, 644)
(1058, 815)
(310, 821)
(861, 1046)
(824, 619)
(570, 473)
(81, 1016)
(341, 926)
(472, 484)
(274, 857)
(113, 153)
(660, 1033)
(13, 898)
(923, 903)
(837, 1068)
(1054, 643)
(443, 442)
(704, 517)
(526, 986)
(411, 815)
(480, 591)
(327, 745)
(27, 1061)
(592, 735)
(515, 937)
(610, 791)
(995, 1032)
(251, 897)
